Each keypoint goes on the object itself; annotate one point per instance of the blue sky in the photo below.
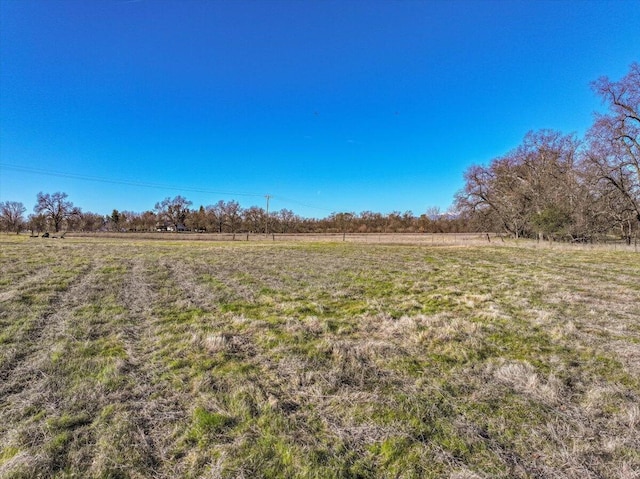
(326, 105)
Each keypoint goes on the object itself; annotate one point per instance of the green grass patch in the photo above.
(126, 358)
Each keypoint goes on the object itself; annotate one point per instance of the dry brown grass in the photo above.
(123, 358)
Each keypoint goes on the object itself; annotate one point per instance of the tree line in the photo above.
(55, 213)
(553, 186)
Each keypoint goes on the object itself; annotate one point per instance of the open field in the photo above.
(124, 358)
(426, 239)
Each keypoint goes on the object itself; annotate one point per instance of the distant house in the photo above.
(163, 226)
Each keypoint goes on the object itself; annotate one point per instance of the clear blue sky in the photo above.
(326, 105)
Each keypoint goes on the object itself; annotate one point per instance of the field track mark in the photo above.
(31, 339)
(186, 280)
(196, 294)
(140, 432)
(151, 409)
(28, 384)
(138, 334)
(27, 283)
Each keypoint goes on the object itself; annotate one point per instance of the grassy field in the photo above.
(160, 359)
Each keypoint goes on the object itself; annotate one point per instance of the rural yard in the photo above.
(134, 358)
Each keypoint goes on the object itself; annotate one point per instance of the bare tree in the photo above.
(286, 220)
(12, 216)
(131, 220)
(91, 222)
(233, 216)
(174, 211)
(531, 191)
(197, 220)
(37, 223)
(55, 207)
(254, 219)
(215, 216)
(341, 222)
(372, 221)
(74, 219)
(614, 139)
(491, 198)
(148, 220)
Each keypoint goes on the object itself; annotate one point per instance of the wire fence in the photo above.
(424, 239)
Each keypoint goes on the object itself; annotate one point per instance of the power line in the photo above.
(144, 184)
(100, 179)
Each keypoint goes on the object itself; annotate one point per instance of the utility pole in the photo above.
(266, 221)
